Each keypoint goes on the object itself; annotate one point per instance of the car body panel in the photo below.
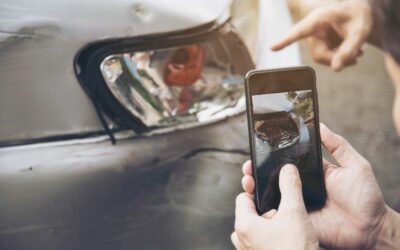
(169, 191)
(35, 104)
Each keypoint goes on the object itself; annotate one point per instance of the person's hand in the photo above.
(355, 211)
(289, 227)
(335, 32)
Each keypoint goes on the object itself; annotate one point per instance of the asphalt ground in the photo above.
(357, 103)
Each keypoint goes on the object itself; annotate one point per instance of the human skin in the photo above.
(289, 227)
(335, 32)
(355, 215)
(331, 32)
(393, 69)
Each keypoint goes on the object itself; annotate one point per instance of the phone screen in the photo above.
(285, 126)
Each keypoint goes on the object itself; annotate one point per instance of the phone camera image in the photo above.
(283, 132)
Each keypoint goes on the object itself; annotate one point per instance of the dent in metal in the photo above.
(39, 93)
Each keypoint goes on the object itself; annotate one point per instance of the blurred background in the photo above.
(357, 103)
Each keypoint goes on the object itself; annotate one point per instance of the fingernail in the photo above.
(289, 168)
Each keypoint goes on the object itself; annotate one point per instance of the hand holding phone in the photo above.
(289, 227)
(355, 206)
(284, 128)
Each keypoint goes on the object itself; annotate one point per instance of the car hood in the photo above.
(93, 20)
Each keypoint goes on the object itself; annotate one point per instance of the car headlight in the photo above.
(173, 80)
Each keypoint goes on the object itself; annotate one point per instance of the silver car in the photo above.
(121, 122)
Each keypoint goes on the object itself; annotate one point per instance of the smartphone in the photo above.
(282, 113)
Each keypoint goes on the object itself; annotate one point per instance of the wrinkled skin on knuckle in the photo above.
(314, 245)
(342, 142)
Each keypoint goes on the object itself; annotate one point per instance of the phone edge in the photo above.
(317, 132)
(249, 113)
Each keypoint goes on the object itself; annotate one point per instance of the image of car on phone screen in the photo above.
(282, 121)
(283, 131)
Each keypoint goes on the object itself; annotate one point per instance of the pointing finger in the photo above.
(300, 30)
(349, 50)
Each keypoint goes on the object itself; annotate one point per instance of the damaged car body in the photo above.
(175, 80)
(163, 81)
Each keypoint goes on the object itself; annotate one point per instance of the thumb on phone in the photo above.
(290, 187)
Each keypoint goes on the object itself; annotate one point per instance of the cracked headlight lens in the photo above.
(192, 83)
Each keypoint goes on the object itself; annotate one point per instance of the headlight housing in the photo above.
(168, 81)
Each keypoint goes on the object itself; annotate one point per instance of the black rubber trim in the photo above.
(55, 138)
